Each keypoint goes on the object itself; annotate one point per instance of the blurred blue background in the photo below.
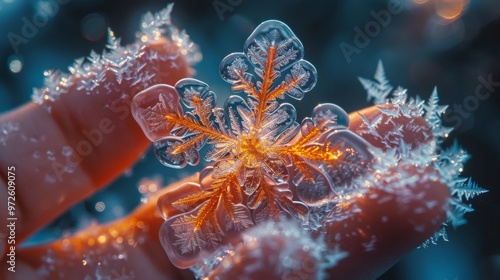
(425, 43)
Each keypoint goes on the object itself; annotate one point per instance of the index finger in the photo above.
(66, 149)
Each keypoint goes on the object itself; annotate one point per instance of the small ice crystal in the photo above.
(6, 130)
(91, 76)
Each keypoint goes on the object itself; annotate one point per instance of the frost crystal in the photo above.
(125, 62)
(261, 156)
(6, 129)
(301, 255)
(448, 162)
(379, 89)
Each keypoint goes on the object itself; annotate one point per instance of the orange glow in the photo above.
(66, 242)
(102, 239)
(140, 224)
(450, 9)
(361, 232)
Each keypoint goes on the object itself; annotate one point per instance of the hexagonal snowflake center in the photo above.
(252, 149)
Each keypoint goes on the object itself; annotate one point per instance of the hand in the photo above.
(102, 133)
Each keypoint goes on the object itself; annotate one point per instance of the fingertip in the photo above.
(269, 251)
(83, 136)
(392, 218)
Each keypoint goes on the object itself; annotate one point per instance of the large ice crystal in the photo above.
(266, 166)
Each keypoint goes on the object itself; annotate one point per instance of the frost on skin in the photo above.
(300, 256)
(265, 164)
(6, 129)
(97, 252)
(131, 64)
(447, 162)
(89, 112)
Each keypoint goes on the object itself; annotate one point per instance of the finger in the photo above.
(397, 214)
(126, 247)
(393, 219)
(361, 247)
(66, 149)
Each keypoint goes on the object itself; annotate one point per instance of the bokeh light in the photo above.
(450, 9)
(15, 64)
(93, 27)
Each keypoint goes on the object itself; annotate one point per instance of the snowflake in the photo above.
(261, 156)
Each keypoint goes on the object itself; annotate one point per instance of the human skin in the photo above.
(39, 202)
